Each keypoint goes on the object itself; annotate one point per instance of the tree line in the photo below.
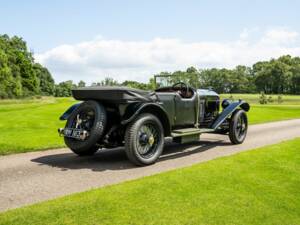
(21, 76)
(276, 76)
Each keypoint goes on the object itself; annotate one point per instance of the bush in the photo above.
(270, 99)
(279, 99)
(263, 98)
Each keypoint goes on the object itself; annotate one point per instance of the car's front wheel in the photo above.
(144, 140)
(238, 127)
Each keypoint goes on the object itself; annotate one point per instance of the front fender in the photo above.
(67, 113)
(229, 110)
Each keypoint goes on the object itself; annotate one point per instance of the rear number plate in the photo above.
(72, 133)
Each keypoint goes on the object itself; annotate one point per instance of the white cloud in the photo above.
(280, 36)
(139, 60)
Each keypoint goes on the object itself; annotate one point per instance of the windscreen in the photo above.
(170, 80)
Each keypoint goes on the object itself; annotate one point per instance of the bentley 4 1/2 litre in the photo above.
(140, 120)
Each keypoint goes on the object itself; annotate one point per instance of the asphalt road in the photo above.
(33, 177)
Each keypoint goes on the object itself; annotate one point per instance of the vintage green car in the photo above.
(109, 117)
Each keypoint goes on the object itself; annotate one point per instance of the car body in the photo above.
(109, 117)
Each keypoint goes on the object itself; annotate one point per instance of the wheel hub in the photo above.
(151, 140)
(144, 138)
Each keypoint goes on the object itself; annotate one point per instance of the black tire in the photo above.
(238, 127)
(87, 146)
(145, 132)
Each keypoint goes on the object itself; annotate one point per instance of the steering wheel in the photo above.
(183, 87)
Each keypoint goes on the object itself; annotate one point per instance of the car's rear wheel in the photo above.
(90, 116)
(144, 140)
(238, 127)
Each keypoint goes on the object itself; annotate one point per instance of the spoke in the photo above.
(149, 131)
(154, 131)
(141, 149)
(243, 127)
(155, 134)
(241, 131)
(147, 147)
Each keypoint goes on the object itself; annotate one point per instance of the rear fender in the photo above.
(69, 111)
(154, 109)
(229, 110)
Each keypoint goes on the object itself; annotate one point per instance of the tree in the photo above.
(64, 89)
(81, 83)
(46, 82)
(20, 76)
(277, 76)
(215, 78)
(109, 82)
(23, 59)
(6, 77)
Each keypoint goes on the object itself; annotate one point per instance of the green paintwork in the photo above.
(190, 131)
(186, 130)
(187, 139)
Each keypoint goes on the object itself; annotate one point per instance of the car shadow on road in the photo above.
(115, 159)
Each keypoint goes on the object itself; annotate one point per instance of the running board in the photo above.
(190, 131)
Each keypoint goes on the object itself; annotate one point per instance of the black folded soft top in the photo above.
(113, 94)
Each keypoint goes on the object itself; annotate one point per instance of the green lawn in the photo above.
(254, 187)
(269, 113)
(29, 125)
(288, 109)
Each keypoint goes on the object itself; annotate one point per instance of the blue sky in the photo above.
(126, 25)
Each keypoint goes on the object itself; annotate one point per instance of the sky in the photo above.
(90, 40)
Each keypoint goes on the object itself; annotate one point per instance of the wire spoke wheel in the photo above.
(144, 140)
(238, 127)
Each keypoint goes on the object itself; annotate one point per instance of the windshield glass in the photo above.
(170, 80)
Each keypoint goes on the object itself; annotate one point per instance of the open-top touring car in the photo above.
(109, 117)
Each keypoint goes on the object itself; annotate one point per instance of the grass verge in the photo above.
(254, 187)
